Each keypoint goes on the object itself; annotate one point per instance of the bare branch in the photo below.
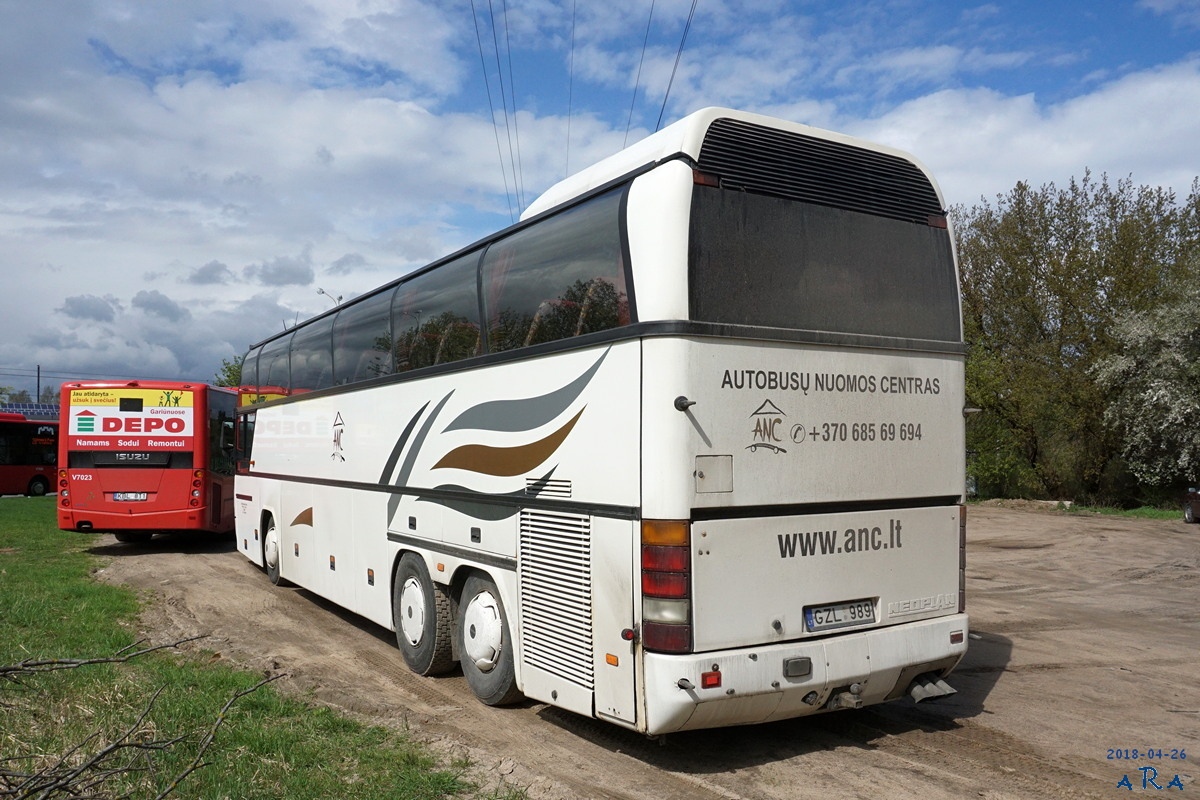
(30, 666)
(74, 774)
(197, 762)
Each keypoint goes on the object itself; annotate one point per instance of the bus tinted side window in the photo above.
(436, 316)
(250, 368)
(312, 356)
(561, 277)
(362, 340)
(7, 434)
(273, 367)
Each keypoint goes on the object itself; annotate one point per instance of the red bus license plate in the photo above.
(129, 496)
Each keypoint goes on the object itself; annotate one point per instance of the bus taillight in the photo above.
(666, 586)
(197, 484)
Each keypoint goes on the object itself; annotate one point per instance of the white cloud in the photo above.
(1184, 13)
(979, 143)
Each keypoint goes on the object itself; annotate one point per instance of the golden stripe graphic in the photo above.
(505, 462)
(304, 517)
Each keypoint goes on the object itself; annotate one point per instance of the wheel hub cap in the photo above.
(271, 549)
(483, 636)
(412, 611)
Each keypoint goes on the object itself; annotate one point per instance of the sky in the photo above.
(179, 180)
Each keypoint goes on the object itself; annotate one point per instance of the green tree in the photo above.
(1046, 273)
(230, 373)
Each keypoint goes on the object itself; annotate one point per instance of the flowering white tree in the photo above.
(1154, 386)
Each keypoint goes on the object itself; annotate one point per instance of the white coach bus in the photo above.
(681, 449)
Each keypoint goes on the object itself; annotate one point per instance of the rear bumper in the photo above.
(94, 521)
(754, 687)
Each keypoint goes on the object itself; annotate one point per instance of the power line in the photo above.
(638, 81)
(30, 374)
(512, 90)
(678, 55)
(504, 102)
(492, 110)
(570, 87)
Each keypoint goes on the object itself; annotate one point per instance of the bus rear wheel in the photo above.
(422, 612)
(38, 487)
(485, 643)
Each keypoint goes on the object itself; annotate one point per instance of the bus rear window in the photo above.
(782, 263)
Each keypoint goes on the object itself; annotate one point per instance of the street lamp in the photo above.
(336, 301)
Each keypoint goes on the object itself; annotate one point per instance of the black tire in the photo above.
(423, 615)
(271, 562)
(38, 487)
(485, 643)
(1189, 516)
(134, 537)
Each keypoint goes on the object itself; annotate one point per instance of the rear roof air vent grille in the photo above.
(800, 167)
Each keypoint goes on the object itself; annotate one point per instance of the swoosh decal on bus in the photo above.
(506, 462)
(482, 510)
(527, 413)
(406, 468)
(305, 517)
(497, 416)
(410, 459)
(394, 457)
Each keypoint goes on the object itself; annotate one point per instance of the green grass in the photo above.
(268, 746)
(1170, 512)
(1144, 512)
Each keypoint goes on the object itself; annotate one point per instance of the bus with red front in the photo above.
(143, 457)
(28, 448)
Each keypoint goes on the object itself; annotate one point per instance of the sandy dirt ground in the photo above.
(1085, 645)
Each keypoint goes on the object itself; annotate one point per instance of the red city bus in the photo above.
(143, 457)
(28, 448)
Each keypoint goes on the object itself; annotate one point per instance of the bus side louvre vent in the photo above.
(798, 167)
(547, 487)
(556, 594)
